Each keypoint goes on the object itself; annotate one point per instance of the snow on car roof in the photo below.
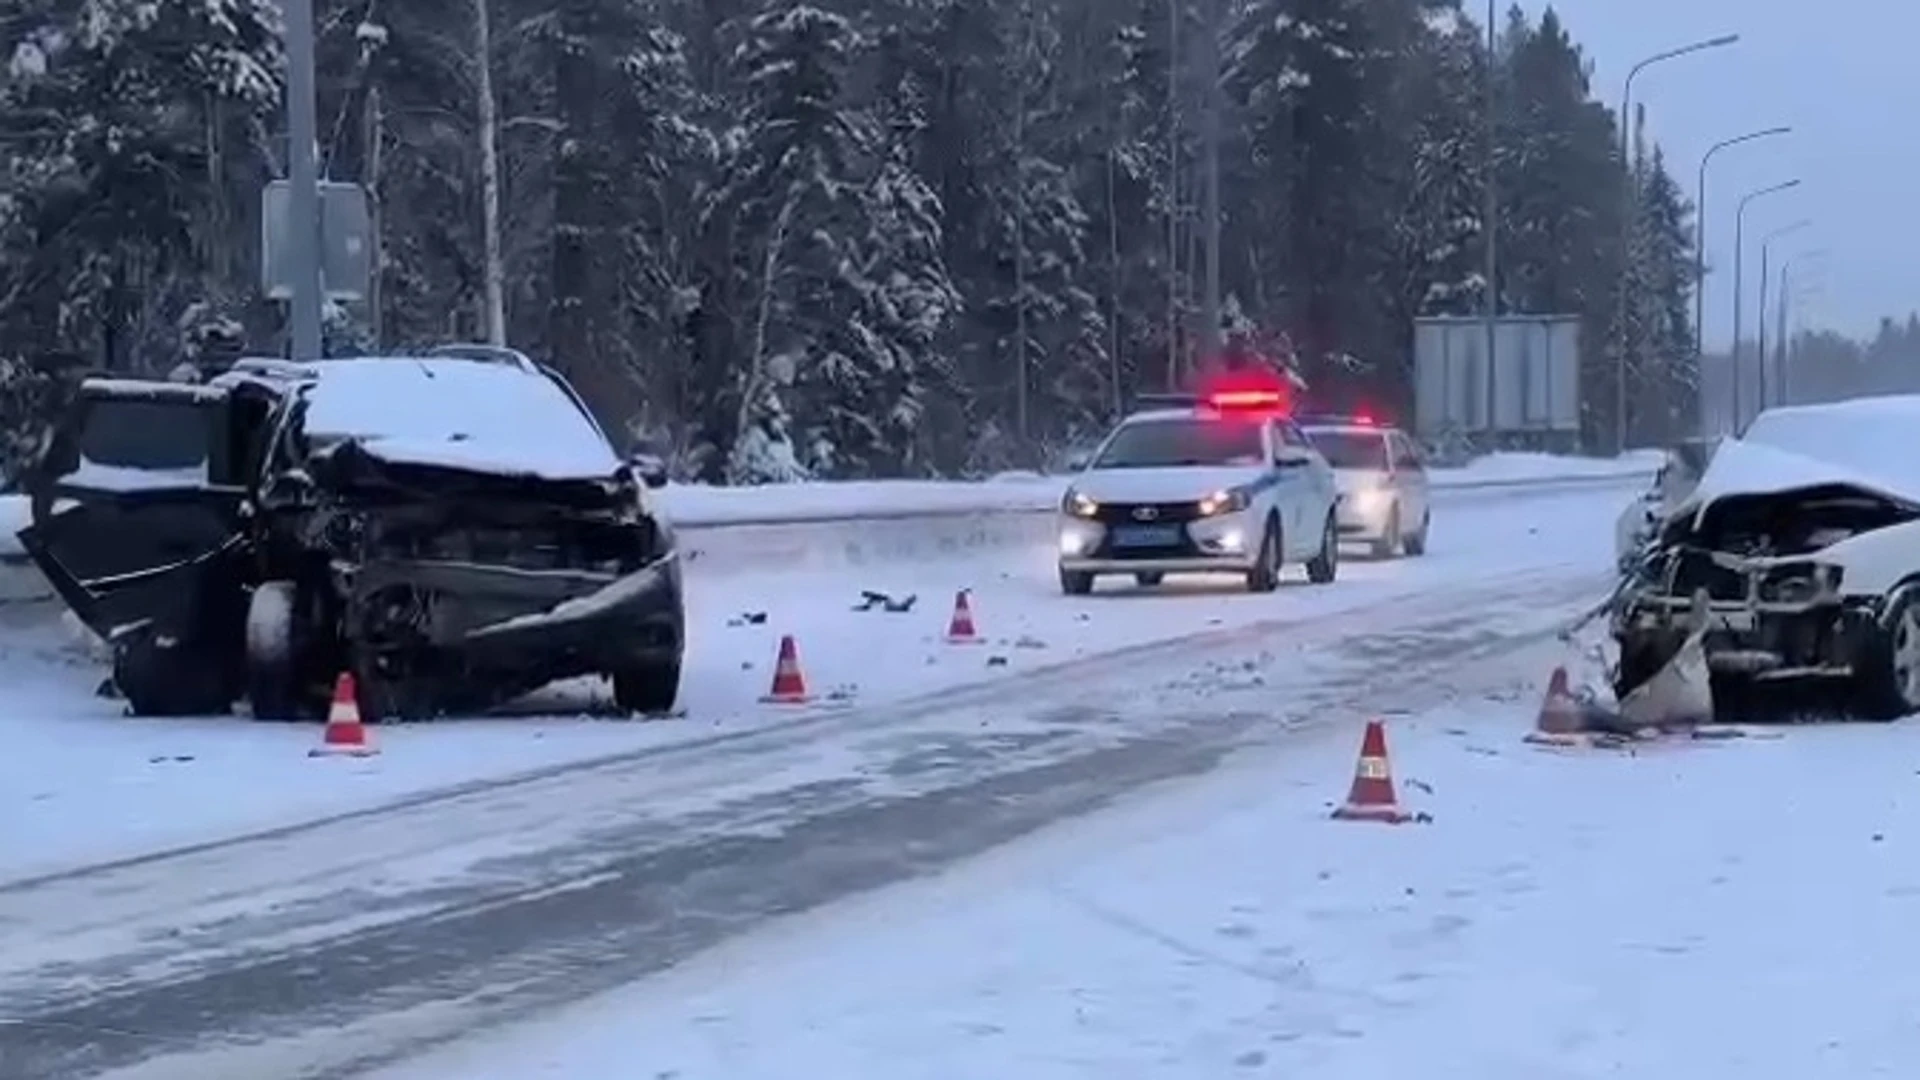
(458, 413)
(1867, 442)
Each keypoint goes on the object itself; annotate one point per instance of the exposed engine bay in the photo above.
(1749, 569)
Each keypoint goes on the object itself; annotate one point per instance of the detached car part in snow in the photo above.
(455, 529)
(1798, 555)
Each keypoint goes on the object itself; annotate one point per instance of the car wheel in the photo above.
(1389, 541)
(648, 689)
(277, 653)
(1890, 685)
(1076, 582)
(1150, 579)
(1415, 543)
(1322, 568)
(1265, 575)
(161, 680)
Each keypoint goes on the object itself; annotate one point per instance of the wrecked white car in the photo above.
(1800, 547)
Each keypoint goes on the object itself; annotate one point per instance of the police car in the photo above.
(1384, 496)
(1224, 483)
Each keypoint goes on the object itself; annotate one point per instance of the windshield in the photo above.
(1150, 444)
(1350, 449)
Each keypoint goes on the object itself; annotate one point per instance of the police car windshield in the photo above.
(1180, 441)
(1350, 449)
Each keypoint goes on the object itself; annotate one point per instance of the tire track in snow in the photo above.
(393, 928)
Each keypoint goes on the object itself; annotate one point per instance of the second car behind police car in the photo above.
(1224, 484)
(1383, 483)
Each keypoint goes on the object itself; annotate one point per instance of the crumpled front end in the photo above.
(473, 588)
(1756, 573)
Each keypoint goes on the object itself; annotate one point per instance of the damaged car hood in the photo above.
(1864, 444)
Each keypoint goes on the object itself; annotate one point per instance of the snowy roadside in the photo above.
(82, 784)
(1694, 909)
(432, 918)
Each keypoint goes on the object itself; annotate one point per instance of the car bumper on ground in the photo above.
(1225, 543)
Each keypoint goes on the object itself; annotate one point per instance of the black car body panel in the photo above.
(440, 587)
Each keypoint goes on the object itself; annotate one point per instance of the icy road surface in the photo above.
(80, 783)
(329, 948)
(1718, 909)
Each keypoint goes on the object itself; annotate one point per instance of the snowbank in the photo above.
(698, 506)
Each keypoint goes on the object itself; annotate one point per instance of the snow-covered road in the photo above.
(1697, 909)
(81, 784)
(321, 947)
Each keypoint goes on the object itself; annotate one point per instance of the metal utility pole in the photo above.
(1700, 235)
(1174, 8)
(1760, 336)
(1211, 118)
(1739, 258)
(1783, 350)
(303, 174)
(1628, 200)
(1490, 209)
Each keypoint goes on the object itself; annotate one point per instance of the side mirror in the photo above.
(1291, 457)
(1078, 460)
(651, 470)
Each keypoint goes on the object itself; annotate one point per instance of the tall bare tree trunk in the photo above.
(487, 112)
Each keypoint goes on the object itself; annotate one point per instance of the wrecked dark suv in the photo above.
(454, 529)
(1798, 555)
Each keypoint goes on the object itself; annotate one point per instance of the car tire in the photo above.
(1265, 575)
(169, 681)
(1389, 540)
(1415, 543)
(276, 654)
(1149, 580)
(1889, 686)
(1076, 582)
(1325, 566)
(647, 689)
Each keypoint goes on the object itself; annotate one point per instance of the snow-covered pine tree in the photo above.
(838, 257)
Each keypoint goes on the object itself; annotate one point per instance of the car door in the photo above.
(137, 506)
(1410, 476)
(1306, 489)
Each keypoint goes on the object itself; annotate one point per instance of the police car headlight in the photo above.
(1224, 502)
(1078, 505)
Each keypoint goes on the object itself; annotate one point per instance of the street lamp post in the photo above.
(1627, 201)
(1700, 233)
(1760, 335)
(1739, 253)
(1783, 348)
(303, 176)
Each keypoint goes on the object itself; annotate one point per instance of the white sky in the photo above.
(1845, 74)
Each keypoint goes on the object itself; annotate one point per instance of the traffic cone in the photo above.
(960, 628)
(345, 734)
(1560, 711)
(789, 686)
(1372, 797)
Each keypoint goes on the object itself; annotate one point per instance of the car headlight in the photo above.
(1224, 502)
(1078, 505)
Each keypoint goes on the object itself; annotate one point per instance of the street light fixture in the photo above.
(1785, 347)
(1739, 253)
(1627, 222)
(1700, 232)
(1760, 336)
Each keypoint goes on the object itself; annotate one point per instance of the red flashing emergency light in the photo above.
(1247, 399)
(1365, 419)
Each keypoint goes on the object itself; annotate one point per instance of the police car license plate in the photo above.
(1144, 536)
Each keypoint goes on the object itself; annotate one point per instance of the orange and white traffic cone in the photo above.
(960, 628)
(1372, 797)
(1560, 712)
(345, 736)
(789, 686)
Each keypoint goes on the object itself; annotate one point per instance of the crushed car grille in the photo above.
(606, 548)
